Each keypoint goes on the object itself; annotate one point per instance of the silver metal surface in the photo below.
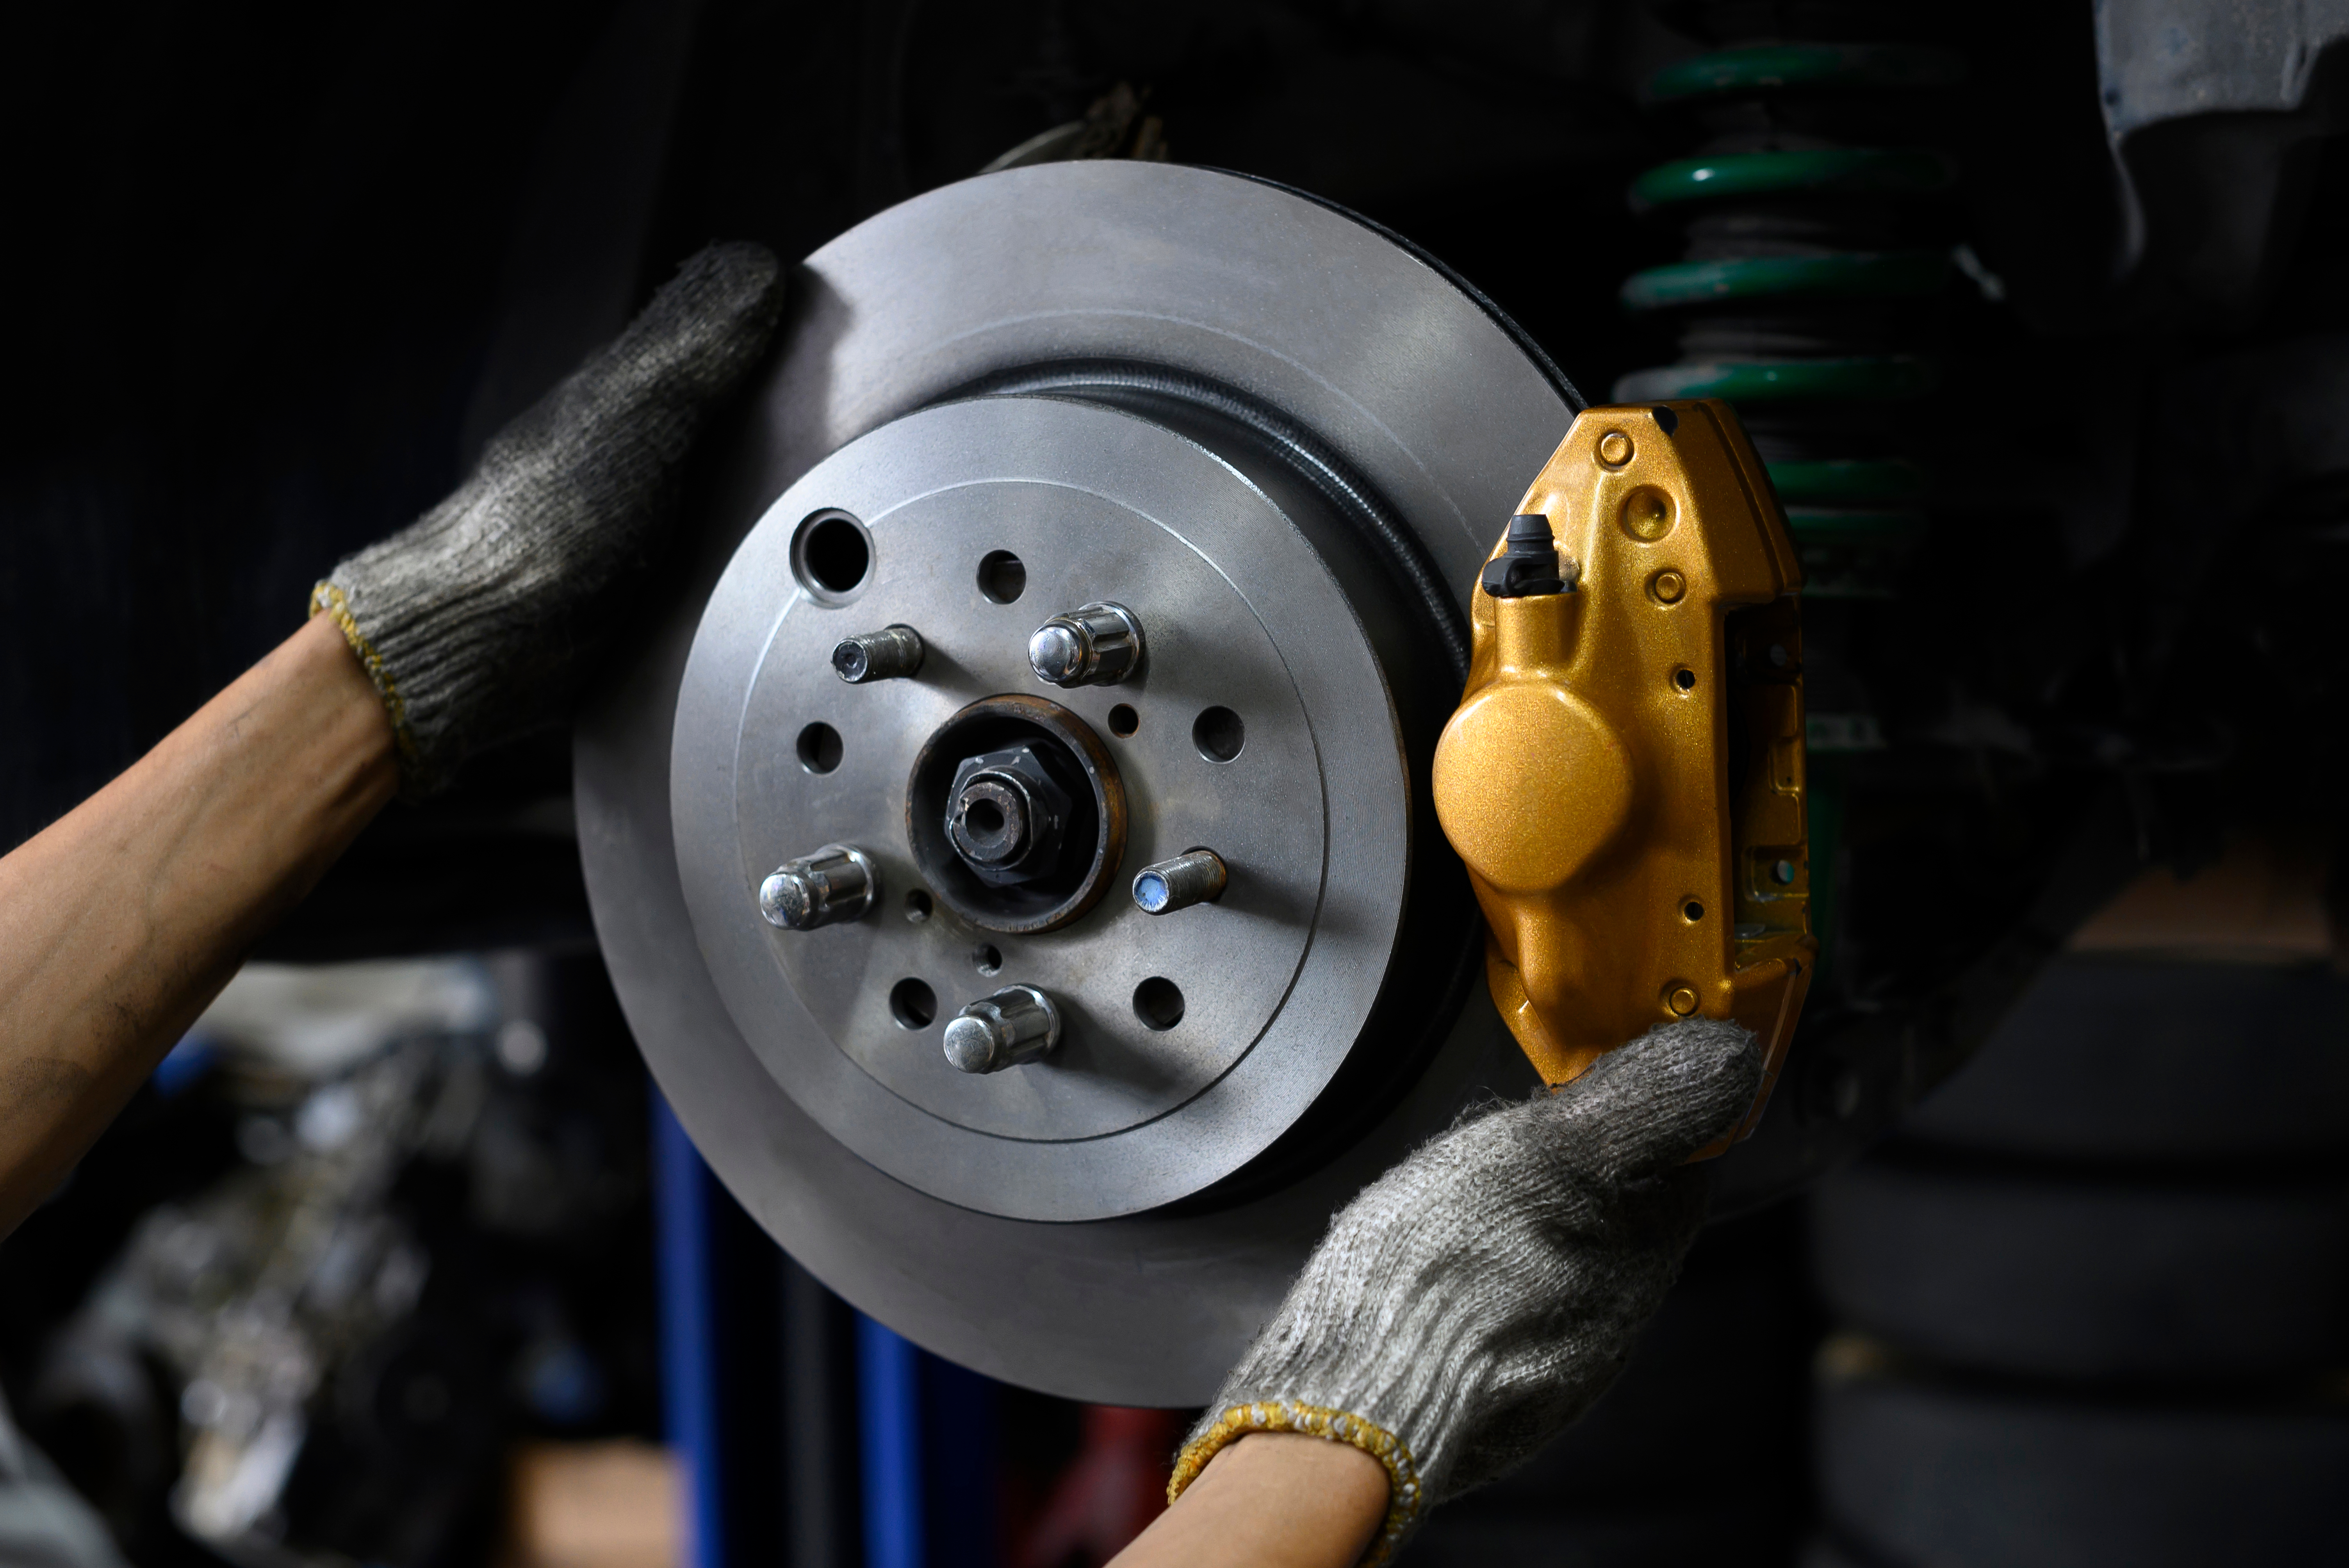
(1199, 877)
(837, 882)
(1428, 398)
(1017, 1023)
(1093, 644)
(893, 653)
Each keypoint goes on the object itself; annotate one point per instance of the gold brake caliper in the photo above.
(1624, 775)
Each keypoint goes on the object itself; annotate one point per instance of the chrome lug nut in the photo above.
(1198, 877)
(1095, 644)
(837, 882)
(1017, 1023)
(890, 654)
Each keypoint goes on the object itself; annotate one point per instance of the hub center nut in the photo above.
(1006, 817)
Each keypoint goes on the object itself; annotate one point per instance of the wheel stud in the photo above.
(1195, 878)
(889, 653)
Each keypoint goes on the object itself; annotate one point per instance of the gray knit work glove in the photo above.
(1481, 1294)
(473, 621)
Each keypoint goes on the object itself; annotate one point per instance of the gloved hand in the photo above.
(1481, 1294)
(473, 621)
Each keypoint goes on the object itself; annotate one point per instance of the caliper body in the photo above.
(1624, 775)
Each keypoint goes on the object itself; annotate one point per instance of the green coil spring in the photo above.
(1806, 297)
(1805, 288)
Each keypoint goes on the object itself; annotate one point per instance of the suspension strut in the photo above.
(1805, 297)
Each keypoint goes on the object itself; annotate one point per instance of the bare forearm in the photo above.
(121, 921)
(1274, 1500)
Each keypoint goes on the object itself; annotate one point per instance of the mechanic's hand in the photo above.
(473, 621)
(1483, 1294)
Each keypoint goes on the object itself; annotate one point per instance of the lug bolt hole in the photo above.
(918, 906)
(1158, 1003)
(1219, 734)
(818, 747)
(986, 959)
(1002, 577)
(1124, 721)
(913, 1004)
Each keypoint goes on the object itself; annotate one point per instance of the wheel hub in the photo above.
(1190, 1044)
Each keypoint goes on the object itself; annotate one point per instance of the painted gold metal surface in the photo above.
(1624, 775)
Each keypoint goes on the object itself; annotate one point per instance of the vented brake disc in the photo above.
(1275, 444)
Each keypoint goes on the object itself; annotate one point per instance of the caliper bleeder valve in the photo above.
(1093, 644)
(1015, 1025)
(1529, 564)
(837, 882)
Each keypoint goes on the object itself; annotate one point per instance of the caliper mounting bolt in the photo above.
(1198, 877)
(889, 653)
(1093, 644)
(837, 882)
(1015, 1025)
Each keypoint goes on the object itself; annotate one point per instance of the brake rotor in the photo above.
(1279, 441)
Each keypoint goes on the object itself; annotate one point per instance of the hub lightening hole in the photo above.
(818, 747)
(1124, 721)
(913, 1004)
(1158, 1003)
(1219, 734)
(1002, 577)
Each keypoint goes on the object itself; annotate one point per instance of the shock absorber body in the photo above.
(1807, 295)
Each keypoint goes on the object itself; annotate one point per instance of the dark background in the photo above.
(278, 274)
